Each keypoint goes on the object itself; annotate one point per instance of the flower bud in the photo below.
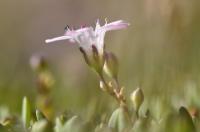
(137, 98)
(102, 85)
(45, 81)
(111, 65)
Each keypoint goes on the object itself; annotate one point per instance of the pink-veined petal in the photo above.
(116, 25)
(58, 39)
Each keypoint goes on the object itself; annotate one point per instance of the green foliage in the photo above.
(39, 115)
(41, 126)
(103, 128)
(120, 120)
(186, 121)
(26, 112)
(74, 124)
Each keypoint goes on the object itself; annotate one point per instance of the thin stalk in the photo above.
(121, 100)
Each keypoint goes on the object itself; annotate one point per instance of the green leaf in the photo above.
(26, 112)
(103, 128)
(186, 119)
(74, 124)
(181, 122)
(39, 115)
(141, 124)
(42, 126)
(120, 120)
(2, 128)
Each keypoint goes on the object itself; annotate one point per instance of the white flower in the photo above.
(88, 36)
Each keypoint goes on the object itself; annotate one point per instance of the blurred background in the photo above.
(159, 52)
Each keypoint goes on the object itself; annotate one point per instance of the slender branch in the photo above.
(116, 92)
(117, 84)
(110, 91)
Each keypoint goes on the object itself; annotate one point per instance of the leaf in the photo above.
(103, 128)
(120, 120)
(42, 126)
(2, 128)
(74, 124)
(186, 119)
(26, 112)
(39, 115)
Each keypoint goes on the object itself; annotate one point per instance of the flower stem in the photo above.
(116, 92)
(107, 87)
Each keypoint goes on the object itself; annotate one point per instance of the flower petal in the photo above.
(120, 24)
(85, 37)
(98, 26)
(75, 32)
(58, 39)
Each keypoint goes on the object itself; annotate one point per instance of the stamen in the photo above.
(106, 20)
(67, 28)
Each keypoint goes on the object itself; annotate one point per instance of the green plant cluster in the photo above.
(33, 120)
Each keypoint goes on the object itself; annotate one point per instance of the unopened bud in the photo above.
(102, 85)
(45, 81)
(111, 65)
(137, 98)
(110, 84)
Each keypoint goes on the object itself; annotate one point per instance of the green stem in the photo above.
(117, 84)
(110, 91)
(121, 101)
(137, 114)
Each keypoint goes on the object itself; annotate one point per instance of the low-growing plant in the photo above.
(127, 117)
